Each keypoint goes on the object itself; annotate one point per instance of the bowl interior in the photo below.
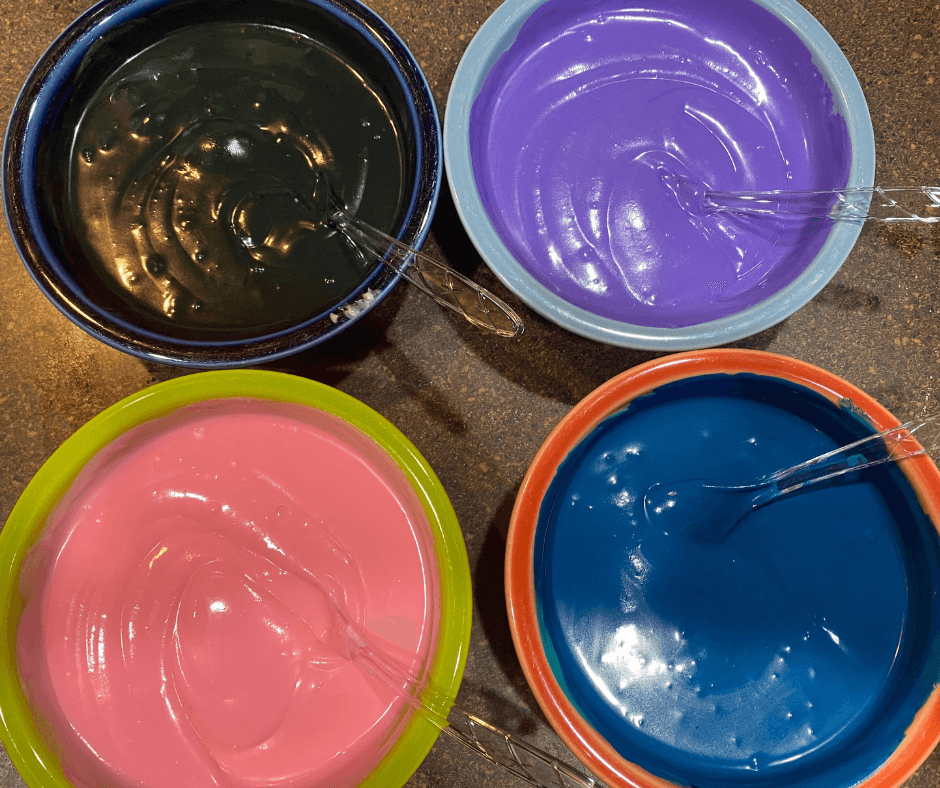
(18, 729)
(495, 37)
(39, 147)
(707, 661)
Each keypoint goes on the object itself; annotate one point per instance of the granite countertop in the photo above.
(476, 406)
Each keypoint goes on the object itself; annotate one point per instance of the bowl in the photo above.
(176, 217)
(578, 141)
(799, 649)
(419, 527)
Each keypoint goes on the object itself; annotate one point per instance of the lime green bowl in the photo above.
(18, 731)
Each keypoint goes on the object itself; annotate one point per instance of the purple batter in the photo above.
(583, 126)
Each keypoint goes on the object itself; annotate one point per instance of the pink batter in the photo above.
(176, 629)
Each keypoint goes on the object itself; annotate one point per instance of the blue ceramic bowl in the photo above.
(495, 37)
(346, 26)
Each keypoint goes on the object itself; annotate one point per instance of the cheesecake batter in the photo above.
(792, 650)
(181, 623)
(584, 126)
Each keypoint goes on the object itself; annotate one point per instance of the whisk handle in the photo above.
(526, 761)
(900, 204)
(887, 446)
(432, 277)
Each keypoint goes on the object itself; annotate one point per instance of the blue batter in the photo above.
(793, 651)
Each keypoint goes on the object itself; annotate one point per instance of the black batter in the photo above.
(198, 170)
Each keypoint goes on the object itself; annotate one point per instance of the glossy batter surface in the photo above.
(180, 625)
(203, 168)
(795, 650)
(583, 127)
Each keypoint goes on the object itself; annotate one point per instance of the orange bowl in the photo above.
(891, 730)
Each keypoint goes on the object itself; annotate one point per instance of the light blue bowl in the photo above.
(496, 36)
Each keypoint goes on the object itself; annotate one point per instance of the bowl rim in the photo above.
(494, 37)
(923, 733)
(30, 755)
(40, 91)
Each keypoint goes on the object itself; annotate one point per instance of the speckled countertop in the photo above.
(478, 407)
